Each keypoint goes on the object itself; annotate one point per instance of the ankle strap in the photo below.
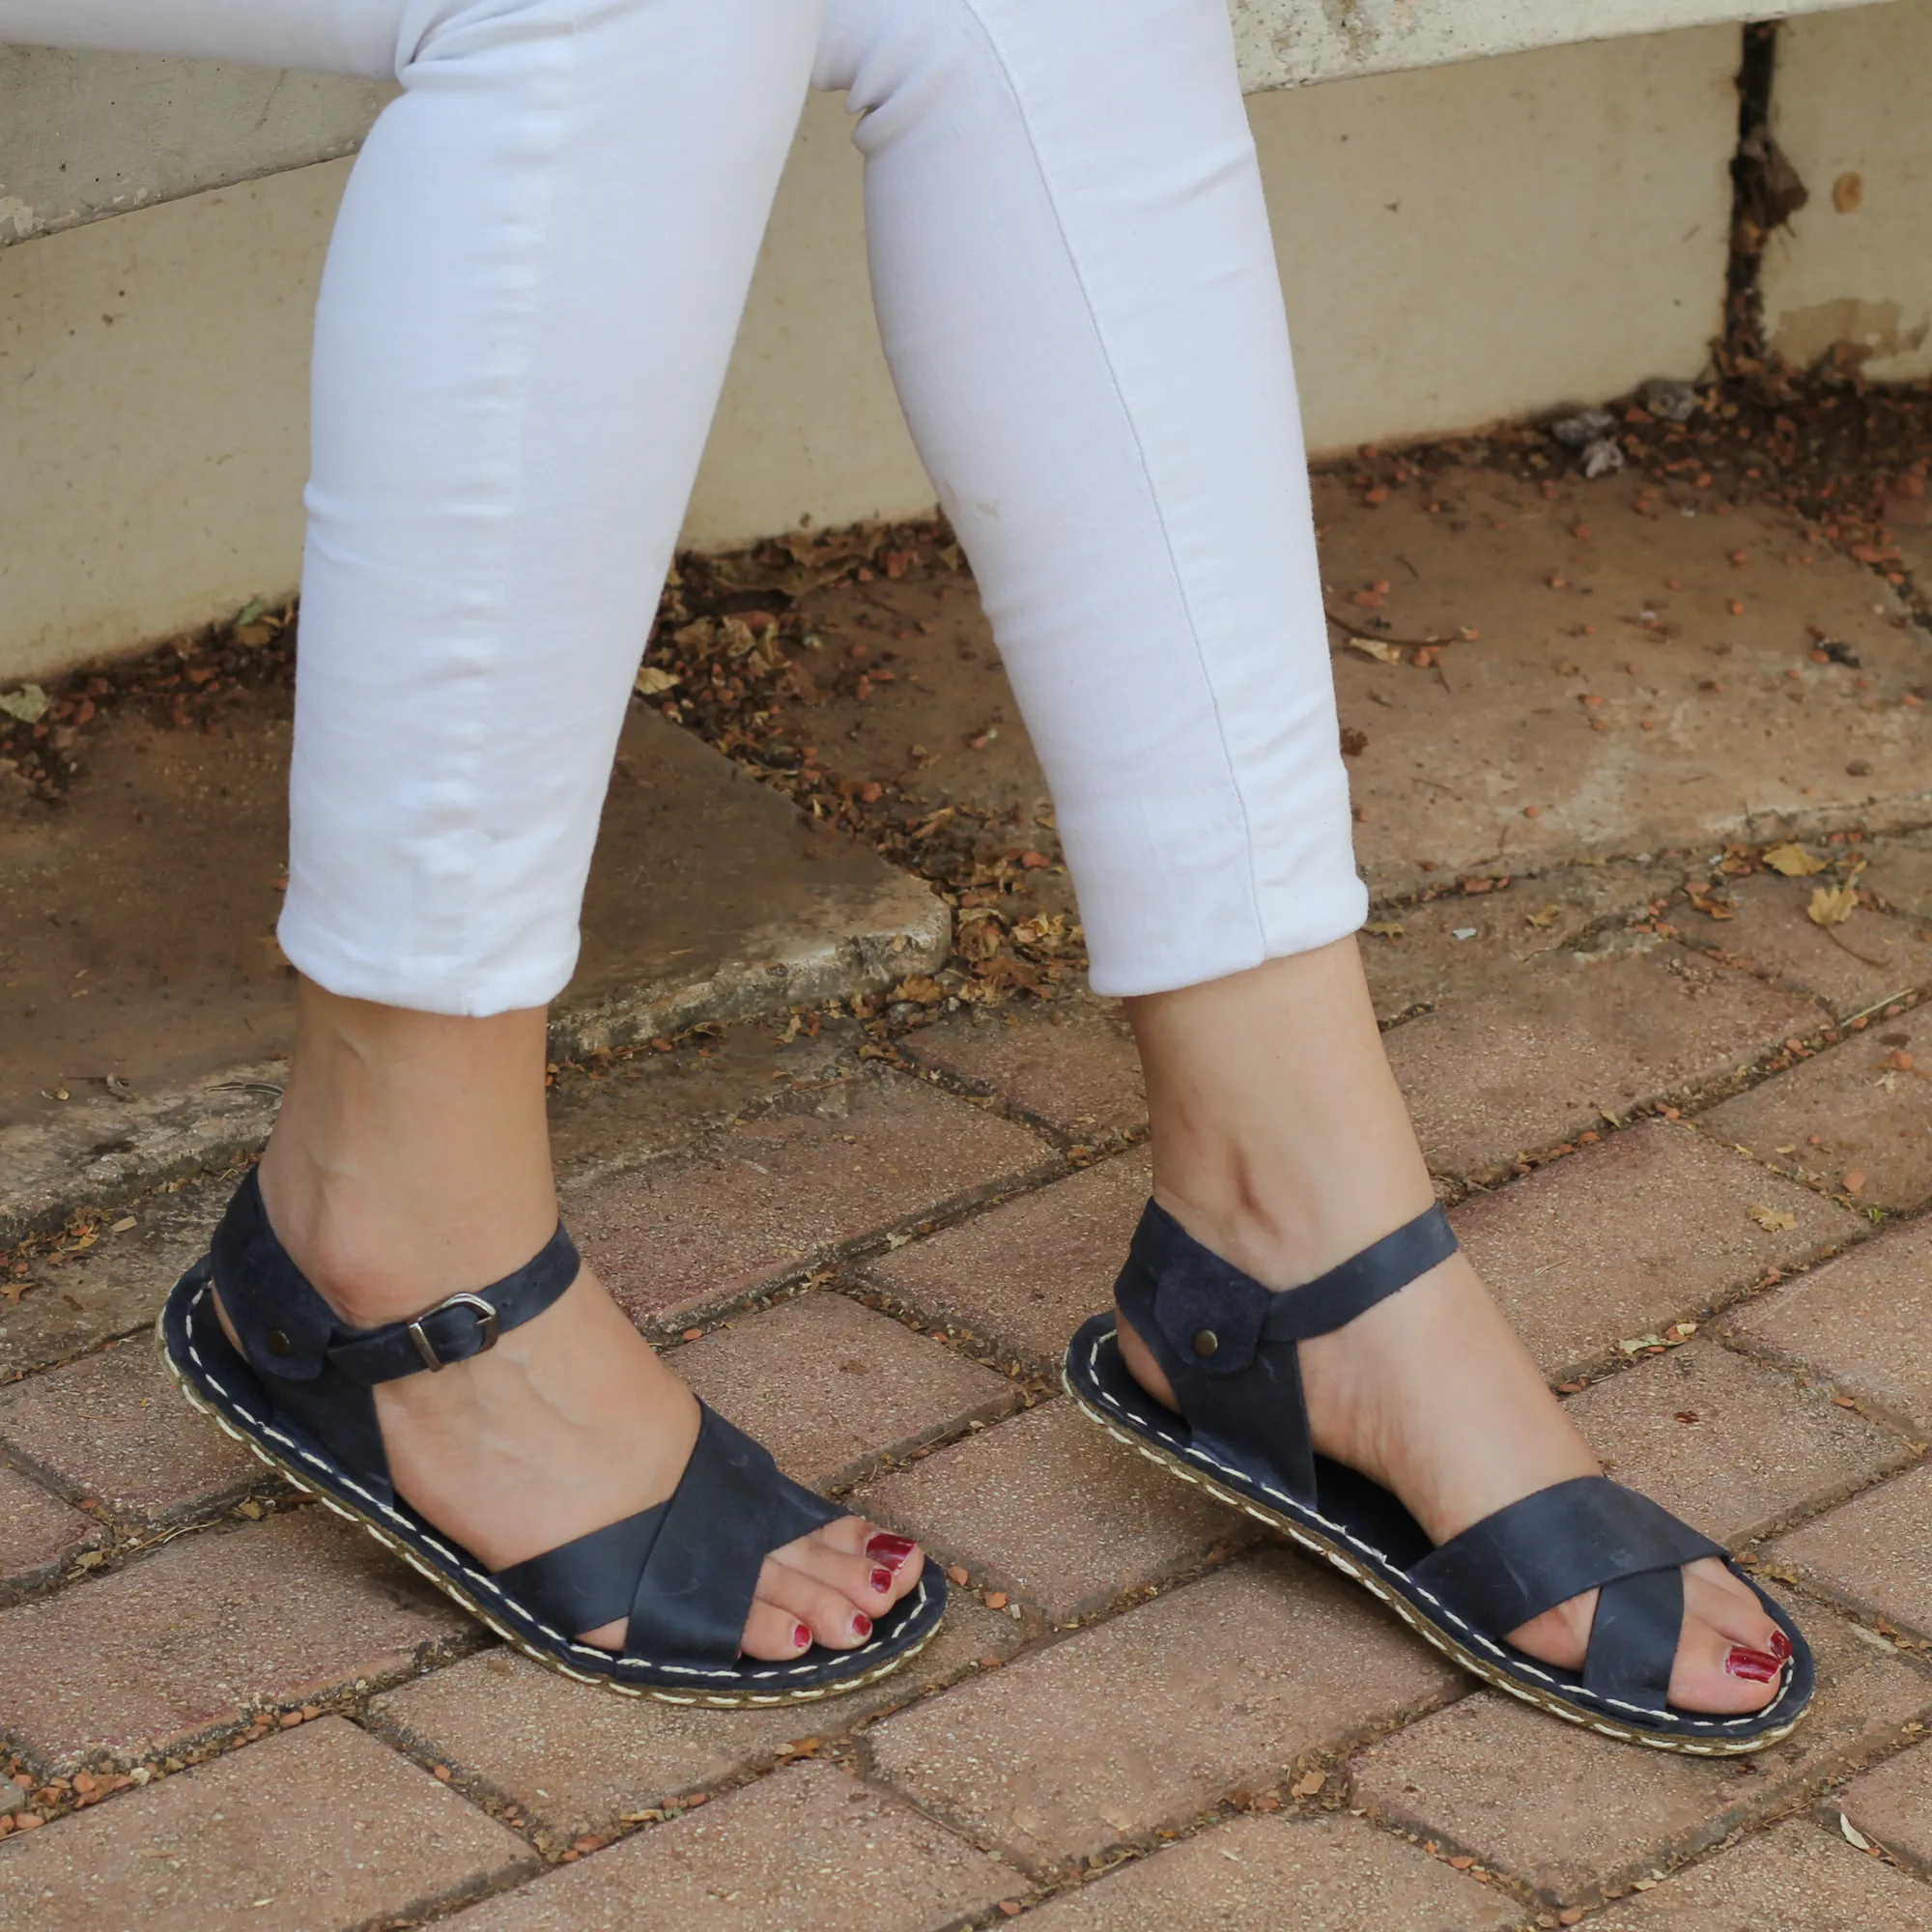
(1213, 1318)
(290, 1332)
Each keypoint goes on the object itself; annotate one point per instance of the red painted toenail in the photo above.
(1780, 1646)
(802, 1636)
(861, 1625)
(882, 1580)
(891, 1551)
(1759, 1665)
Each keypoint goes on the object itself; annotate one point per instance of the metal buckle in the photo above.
(486, 1321)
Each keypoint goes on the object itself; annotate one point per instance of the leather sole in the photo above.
(1688, 1735)
(915, 1623)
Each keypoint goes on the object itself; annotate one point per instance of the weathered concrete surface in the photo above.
(1490, 761)
(1857, 265)
(90, 134)
(1612, 703)
(1292, 42)
(136, 941)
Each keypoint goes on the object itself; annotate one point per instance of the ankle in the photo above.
(1280, 1139)
(411, 1161)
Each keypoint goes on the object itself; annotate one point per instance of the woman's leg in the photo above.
(524, 327)
(1079, 301)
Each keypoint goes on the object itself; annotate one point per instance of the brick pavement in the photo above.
(909, 1250)
(1689, 1150)
(1143, 1673)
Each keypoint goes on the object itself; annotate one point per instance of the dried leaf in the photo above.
(1832, 905)
(1772, 1220)
(1310, 1783)
(1794, 862)
(653, 682)
(1854, 1838)
(1384, 928)
(29, 705)
(1374, 647)
(1549, 916)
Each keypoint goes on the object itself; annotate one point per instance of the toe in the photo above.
(833, 1619)
(1725, 1602)
(1729, 1654)
(866, 1583)
(854, 1537)
(773, 1635)
(1716, 1673)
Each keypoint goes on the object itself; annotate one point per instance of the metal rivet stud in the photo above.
(278, 1343)
(1206, 1341)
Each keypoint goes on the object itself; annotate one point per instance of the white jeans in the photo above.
(524, 327)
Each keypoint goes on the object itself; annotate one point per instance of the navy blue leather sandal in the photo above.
(300, 1393)
(1229, 1346)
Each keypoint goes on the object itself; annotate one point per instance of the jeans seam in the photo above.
(1007, 74)
(466, 760)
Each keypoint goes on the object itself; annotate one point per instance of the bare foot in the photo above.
(572, 1422)
(411, 1161)
(1281, 1143)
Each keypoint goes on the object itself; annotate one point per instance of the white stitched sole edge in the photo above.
(1502, 1680)
(710, 1699)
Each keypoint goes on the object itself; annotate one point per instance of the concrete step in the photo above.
(147, 1007)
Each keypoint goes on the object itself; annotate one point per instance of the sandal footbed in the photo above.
(1365, 1532)
(219, 1383)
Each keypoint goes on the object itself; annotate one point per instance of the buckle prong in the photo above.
(486, 1322)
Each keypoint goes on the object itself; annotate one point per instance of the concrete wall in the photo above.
(154, 378)
(1488, 240)
(1853, 109)
(1290, 42)
(1458, 245)
(84, 135)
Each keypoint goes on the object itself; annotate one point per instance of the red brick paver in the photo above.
(1051, 1508)
(573, 1759)
(765, 1200)
(1729, 1446)
(1147, 1720)
(1862, 1323)
(38, 1534)
(1077, 1071)
(181, 1643)
(1871, 1119)
(1026, 1273)
(1542, 1060)
(810, 1850)
(312, 1831)
(1892, 1806)
(113, 1427)
(1901, 867)
(1571, 1813)
(1874, 958)
(1626, 1236)
(1870, 1552)
(1448, 953)
(1314, 1874)
(1795, 1878)
(831, 1388)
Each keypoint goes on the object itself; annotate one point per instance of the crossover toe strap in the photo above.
(1585, 1534)
(683, 1573)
